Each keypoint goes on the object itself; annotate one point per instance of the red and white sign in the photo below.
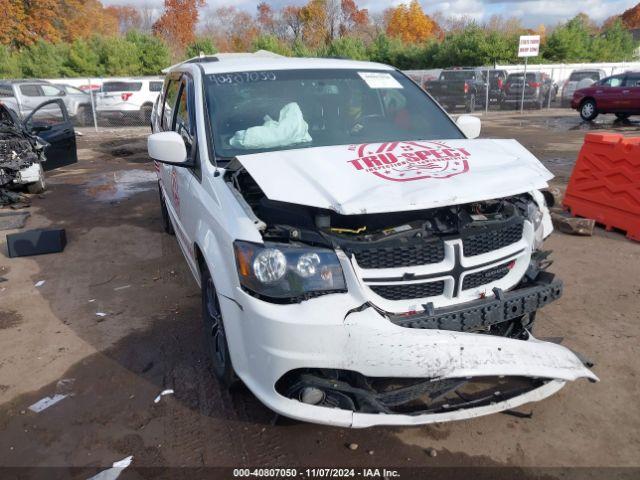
(529, 46)
(406, 161)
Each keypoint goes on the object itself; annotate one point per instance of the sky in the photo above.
(531, 12)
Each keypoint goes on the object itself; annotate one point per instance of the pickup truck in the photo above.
(459, 87)
(362, 259)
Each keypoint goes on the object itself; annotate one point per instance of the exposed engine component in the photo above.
(18, 151)
(314, 225)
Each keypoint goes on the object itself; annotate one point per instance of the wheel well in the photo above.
(202, 263)
(587, 98)
(147, 104)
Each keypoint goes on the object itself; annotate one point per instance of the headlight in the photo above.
(535, 217)
(283, 272)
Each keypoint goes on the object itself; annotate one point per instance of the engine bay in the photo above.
(291, 222)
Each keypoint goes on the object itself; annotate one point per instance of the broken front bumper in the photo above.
(268, 341)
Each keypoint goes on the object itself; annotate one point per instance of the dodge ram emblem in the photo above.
(406, 161)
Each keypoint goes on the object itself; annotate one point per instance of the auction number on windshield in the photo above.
(242, 77)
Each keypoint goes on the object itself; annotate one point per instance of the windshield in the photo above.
(253, 112)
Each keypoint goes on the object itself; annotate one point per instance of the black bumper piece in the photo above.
(486, 312)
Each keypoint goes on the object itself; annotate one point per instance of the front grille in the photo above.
(487, 241)
(400, 255)
(483, 277)
(408, 291)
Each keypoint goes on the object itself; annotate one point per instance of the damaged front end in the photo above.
(21, 154)
(434, 319)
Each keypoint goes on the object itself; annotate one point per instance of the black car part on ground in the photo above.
(353, 391)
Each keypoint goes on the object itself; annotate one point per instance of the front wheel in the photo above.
(38, 186)
(214, 333)
(145, 114)
(588, 110)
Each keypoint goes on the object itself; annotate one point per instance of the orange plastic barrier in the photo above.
(605, 182)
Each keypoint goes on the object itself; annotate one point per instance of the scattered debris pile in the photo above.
(18, 150)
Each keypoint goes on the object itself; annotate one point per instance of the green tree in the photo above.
(120, 57)
(272, 44)
(204, 45)
(570, 42)
(9, 67)
(613, 45)
(83, 59)
(43, 59)
(153, 53)
(346, 47)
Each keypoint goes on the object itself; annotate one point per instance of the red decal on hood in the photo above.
(406, 161)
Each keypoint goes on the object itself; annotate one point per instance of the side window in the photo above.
(30, 91)
(6, 91)
(169, 102)
(183, 116)
(51, 91)
(613, 81)
(155, 86)
(48, 115)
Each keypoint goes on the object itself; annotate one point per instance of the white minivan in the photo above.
(363, 259)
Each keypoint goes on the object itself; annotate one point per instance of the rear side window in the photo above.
(577, 76)
(170, 98)
(632, 81)
(155, 86)
(109, 87)
(30, 91)
(51, 91)
(6, 91)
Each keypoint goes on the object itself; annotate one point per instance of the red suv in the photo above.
(619, 94)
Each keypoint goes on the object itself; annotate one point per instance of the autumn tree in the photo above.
(410, 23)
(231, 29)
(631, 18)
(292, 18)
(178, 22)
(127, 17)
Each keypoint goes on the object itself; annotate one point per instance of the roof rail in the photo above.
(202, 58)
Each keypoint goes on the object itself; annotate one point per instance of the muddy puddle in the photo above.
(119, 185)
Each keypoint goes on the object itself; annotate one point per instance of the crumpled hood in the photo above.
(397, 176)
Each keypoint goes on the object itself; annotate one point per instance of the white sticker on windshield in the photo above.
(379, 80)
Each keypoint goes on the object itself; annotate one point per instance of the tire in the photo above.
(471, 104)
(145, 114)
(167, 226)
(588, 110)
(84, 116)
(39, 186)
(214, 333)
(622, 116)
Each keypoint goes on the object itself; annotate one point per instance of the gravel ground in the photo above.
(119, 263)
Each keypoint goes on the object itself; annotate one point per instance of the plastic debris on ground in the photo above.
(47, 402)
(115, 470)
(162, 394)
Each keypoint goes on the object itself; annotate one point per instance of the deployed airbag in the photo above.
(290, 129)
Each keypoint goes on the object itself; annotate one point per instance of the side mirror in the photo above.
(168, 147)
(469, 125)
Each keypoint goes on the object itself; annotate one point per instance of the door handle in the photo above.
(625, 91)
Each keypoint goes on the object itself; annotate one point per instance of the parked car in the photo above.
(618, 94)
(459, 87)
(24, 95)
(362, 260)
(497, 81)
(44, 140)
(539, 90)
(579, 79)
(131, 98)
